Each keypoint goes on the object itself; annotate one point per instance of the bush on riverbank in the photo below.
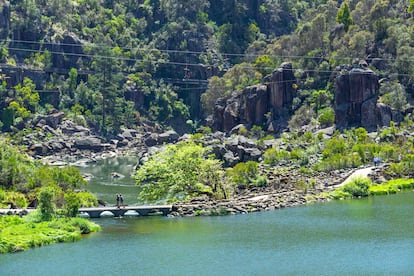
(360, 187)
(246, 174)
(350, 149)
(18, 234)
(392, 186)
(22, 180)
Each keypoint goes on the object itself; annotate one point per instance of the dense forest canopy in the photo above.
(109, 64)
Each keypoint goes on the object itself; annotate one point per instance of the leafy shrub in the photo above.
(272, 156)
(307, 137)
(257, 131)
(72, 204)
(87, 199)
(358, 187)
(297, 153)
(67, 178)
(243, 131)
(302, 117)
(243, 174)
(334, 146)
(339, 194)
(260, 142)
(46, 206)
(14, 166)
(204, 130)
(305, 170)
(85, 225)
(260, 181)
(404, 168)
(196, 137)
(394, 95)
(326, 117)
(339, 161)
(16, 198)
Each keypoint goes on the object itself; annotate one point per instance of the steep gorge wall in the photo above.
(250, 107)
(4, 19)
(356, 100)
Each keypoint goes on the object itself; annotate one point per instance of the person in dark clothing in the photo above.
(118, 200)
(121, 200)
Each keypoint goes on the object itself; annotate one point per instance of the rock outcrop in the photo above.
(66, 49)
(250, 107)
(4, 19)
(356, 99)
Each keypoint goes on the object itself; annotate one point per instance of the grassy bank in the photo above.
(360, 187)
(19, 234)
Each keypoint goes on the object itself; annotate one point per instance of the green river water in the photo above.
(370, 236)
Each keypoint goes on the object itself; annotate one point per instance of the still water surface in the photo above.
(357, 237)
(105, 187)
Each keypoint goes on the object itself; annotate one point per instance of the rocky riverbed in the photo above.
(272, 197)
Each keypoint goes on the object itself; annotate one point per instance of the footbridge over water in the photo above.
(114, 211)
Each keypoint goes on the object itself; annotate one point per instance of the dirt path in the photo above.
(364, 172)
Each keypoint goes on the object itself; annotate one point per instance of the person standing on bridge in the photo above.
(121, 200)
(118, 200)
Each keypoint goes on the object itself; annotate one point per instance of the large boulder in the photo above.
(169, 136)
(70, 128)
(91, 143)
(153, 139)
(52, 120)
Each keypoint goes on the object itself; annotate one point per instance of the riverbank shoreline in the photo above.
(269, 198)
(257, 199)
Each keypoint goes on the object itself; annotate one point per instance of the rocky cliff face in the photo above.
(250, 107)
(4, 19)
(66, 50)
(356, 99)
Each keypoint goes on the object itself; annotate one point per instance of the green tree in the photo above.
(180, 172)
(46, 205)
(394, 94)
(326, 117)
(162, 103)
(22, 103)
(320, 99)
(67, 89)
(13, 166)
(72, 204)
(107, 80)
(411, 6)
(344, 15)
(239, 77)
(216, 89)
